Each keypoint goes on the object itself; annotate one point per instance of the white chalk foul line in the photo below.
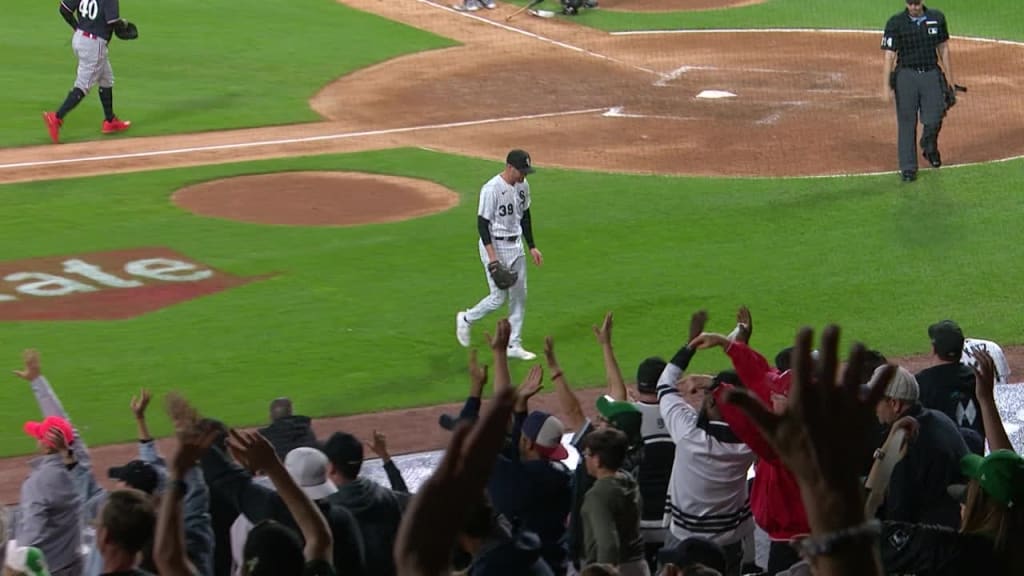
(540, 37)
(280, 142)
(794, 30)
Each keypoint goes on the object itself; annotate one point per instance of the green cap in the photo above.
(610, 407)
(1000, 475)
(26, 559)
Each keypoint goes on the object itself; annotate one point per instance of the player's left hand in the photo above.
(538, 258)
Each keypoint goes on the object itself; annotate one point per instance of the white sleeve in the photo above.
(680, 418)
(486, 207)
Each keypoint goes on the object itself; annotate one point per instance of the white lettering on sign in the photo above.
(96, 274)
(165, 269)
(47, 284)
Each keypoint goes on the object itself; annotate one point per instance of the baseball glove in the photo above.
(502, 276)
(127, 31)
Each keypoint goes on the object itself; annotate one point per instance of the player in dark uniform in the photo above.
(94, 26)
(915, 45)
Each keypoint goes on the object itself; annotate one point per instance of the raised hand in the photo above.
(438, 511)
(502, 332)
(477, 374)
(745, 323)
(252, 450)
(549, 354)
(139, 403)
(532, 384)
(604, 332)
(184, 416)
(190, 447)
(31, 371)
(379, 446)
(984, 375)
(697, 323)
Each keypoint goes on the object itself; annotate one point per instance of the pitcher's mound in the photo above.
(316, 198)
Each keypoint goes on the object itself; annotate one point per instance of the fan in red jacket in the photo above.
(775, 496)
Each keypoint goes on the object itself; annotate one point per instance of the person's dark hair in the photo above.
(609, 446)
(782, 359)
(345, 453)
(272, 549)
(129, 519)
(872, 360)
(280, 408)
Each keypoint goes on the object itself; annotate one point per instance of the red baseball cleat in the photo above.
(53, 124)
(115, 125)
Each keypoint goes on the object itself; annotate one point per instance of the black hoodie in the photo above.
(510, 555)
(949, 388)
(378, 510)
(288, 433)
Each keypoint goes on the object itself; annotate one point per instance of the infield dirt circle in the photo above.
(315, 198)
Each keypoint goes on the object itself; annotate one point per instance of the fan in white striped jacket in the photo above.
(708, 489)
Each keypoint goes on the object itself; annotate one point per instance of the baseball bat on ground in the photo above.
(523, 9)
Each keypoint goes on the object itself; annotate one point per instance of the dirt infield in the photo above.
(802, 103)
(674, 5)
(316, 198)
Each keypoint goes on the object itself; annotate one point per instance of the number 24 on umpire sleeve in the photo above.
(505, 209)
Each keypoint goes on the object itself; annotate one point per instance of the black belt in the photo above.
(507, 238)
(920, 68)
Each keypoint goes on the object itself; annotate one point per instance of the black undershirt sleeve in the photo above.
(527, 223)
(483, 226)
(69, 17)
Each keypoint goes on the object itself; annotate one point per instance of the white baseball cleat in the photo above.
(462, 331)
(517, 351)
(467, 6)
(490, 4)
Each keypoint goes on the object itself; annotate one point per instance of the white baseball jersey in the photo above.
(993, 349)
(503, 204)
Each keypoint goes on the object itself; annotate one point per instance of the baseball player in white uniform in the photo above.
(504, 223)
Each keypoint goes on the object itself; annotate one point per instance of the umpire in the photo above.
(916, 55)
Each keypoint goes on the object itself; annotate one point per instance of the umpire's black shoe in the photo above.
(933, 158)
(909, 175)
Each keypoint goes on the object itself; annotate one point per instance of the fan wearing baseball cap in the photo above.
(532, 487)
(917, 490)
(949, 385)
(991, 531)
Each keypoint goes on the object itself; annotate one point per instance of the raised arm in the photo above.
(612, 373)
(253, 449)
(571, 409)
(984, 389)
(499, 348)
(170, 551)
(680, 418)
(379, 446)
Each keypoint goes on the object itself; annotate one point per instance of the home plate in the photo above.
(715, 94)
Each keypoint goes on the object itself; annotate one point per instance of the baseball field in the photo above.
(293, 209)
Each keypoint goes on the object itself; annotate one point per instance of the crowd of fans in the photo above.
(858, 469)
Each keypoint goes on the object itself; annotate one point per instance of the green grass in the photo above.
(196, 66)
(985, 18)
(361, 318)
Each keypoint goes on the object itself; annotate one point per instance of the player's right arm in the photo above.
(67, 11)
(484, 215)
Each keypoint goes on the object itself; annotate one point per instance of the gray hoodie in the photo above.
(611, 521)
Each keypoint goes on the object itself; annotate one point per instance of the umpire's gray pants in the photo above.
(918, 92)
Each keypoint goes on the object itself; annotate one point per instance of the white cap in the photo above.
(308, 466)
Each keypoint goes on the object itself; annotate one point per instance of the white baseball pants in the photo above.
(510, 254)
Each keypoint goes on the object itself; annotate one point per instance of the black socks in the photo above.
(107, 99)
(74, 97)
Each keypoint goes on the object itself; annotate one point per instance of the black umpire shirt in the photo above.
(915, 43)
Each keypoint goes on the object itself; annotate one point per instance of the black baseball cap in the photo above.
(273, 549)
(947, 339)
(648, 373)
(520, 160)
(694, 551)
(137, 474)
